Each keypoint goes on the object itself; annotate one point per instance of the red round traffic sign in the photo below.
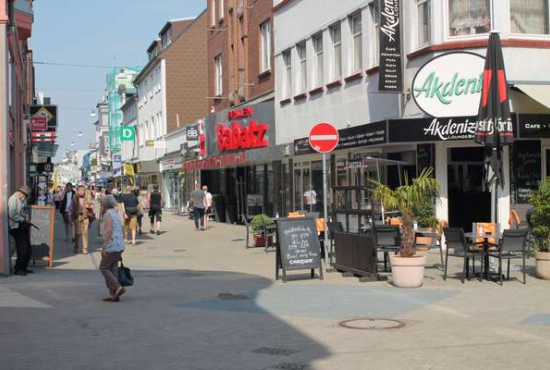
(323, 137)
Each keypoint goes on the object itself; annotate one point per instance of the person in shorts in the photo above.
(155, 202)
(131, 208)
(207, 206)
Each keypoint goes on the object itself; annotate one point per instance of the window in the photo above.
(357, 38)
(287, 79)
(318, 46)
(153, 128)
(218, 83)
(423, 18)
(213, 13)
(221, 8)
(469, 17)
(166, 38)
(529, 16)
(265, 46)
(302, 58)
(375, 29)
(336, 34)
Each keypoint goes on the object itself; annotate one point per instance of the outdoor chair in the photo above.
(458, 247)
(249, 230)
(388, 239)
(512, 246)
(269, 231)
(333, 227)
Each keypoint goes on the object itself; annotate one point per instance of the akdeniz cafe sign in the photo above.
(450, 85)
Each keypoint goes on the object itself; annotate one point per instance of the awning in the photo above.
(540, 93)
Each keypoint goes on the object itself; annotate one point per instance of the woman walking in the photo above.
(113, 246)
(82, 212)
(131, 208)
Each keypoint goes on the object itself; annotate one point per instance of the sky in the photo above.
(100, 33)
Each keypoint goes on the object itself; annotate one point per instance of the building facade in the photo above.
(170, 91)
(329, 69)
(16, 94)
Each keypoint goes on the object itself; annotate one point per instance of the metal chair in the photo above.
(333, 227)
(434, 243)
(249, 230)
(269, 231)
(456, 241)
(512, 246)
(388, 239)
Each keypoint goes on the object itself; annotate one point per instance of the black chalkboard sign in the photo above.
(298, 246)
(42, 235)
(527, 169)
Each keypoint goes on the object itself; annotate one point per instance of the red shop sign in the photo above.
(240, 113)
(239, 137)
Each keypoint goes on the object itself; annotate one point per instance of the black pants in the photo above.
(139, 221)
(23, 246)
(199, 217)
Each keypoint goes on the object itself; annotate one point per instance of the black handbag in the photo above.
(125, 277)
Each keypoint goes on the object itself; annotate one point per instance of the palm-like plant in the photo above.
(406, 199)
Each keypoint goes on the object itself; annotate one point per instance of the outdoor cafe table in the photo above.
(472, 236)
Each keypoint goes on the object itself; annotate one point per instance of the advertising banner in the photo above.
(391, 71)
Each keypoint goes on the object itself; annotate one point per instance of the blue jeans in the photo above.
(199, 217)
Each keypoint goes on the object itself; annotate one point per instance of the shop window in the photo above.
(265, 46)
(302, 58)
(318, 46)
(529, 16)
(423, 19)
(469, 17)
(374, 11)
(356, 56)
(287, 80)
(336, 35)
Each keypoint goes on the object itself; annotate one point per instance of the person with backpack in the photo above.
(155, 202)
(131, 207)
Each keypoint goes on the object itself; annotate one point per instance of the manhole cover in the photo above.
(275, 351)
(367, 323)
(232, 297)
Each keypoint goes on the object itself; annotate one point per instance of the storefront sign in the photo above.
(48, 111)
(242, 137)
(38, 123)
(533, 125)
(219, 161)
(432, 129)
(450, 85)
(251, 127)
(192, 133)
(352, 137)
(127, 133)
(391, 76)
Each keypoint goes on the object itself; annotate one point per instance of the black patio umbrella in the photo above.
(494, 129)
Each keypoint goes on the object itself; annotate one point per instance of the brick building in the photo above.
(171, 90)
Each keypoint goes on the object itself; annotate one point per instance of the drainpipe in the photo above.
(5, 257)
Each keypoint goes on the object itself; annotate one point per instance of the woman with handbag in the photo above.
(82, 212)
(131, 203)
(113, 246)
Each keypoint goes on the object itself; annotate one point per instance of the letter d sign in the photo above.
(128, 134)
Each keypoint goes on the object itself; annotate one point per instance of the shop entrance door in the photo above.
(468, 202)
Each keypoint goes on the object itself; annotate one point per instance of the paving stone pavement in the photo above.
(202, 301)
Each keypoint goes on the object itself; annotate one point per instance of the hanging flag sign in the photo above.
(128, 133)
(38, 123)
(390, 75)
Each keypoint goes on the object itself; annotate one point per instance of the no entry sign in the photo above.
(323, 137)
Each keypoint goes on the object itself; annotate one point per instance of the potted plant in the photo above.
(408, 269)
(540, 223)
(258, 227)
(424, 213)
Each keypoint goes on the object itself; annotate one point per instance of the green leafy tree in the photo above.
(407, 199)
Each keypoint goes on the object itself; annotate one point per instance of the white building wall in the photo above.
(151, 111)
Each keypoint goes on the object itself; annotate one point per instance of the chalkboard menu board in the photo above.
(526, 169)
(297, 246)
(42, 235)
(425, 157)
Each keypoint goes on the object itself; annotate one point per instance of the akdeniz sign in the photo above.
(450, 85)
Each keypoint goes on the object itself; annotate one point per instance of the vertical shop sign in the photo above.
(391, 77)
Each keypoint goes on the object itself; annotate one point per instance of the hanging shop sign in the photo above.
(37, 123)
(192, 133)
(391, 71)
(239, 129)
(128, 133)
(47, 111)
(450, 85)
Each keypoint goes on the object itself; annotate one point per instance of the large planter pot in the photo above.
(408, 272)
(259, 240)
(543, 265)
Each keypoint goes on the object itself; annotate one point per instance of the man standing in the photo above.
(81, 207)
(19, 226)
(65, 210)
(197, 201)
(310, 199)
(131, 208)
(207, 206)
(155, 202)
